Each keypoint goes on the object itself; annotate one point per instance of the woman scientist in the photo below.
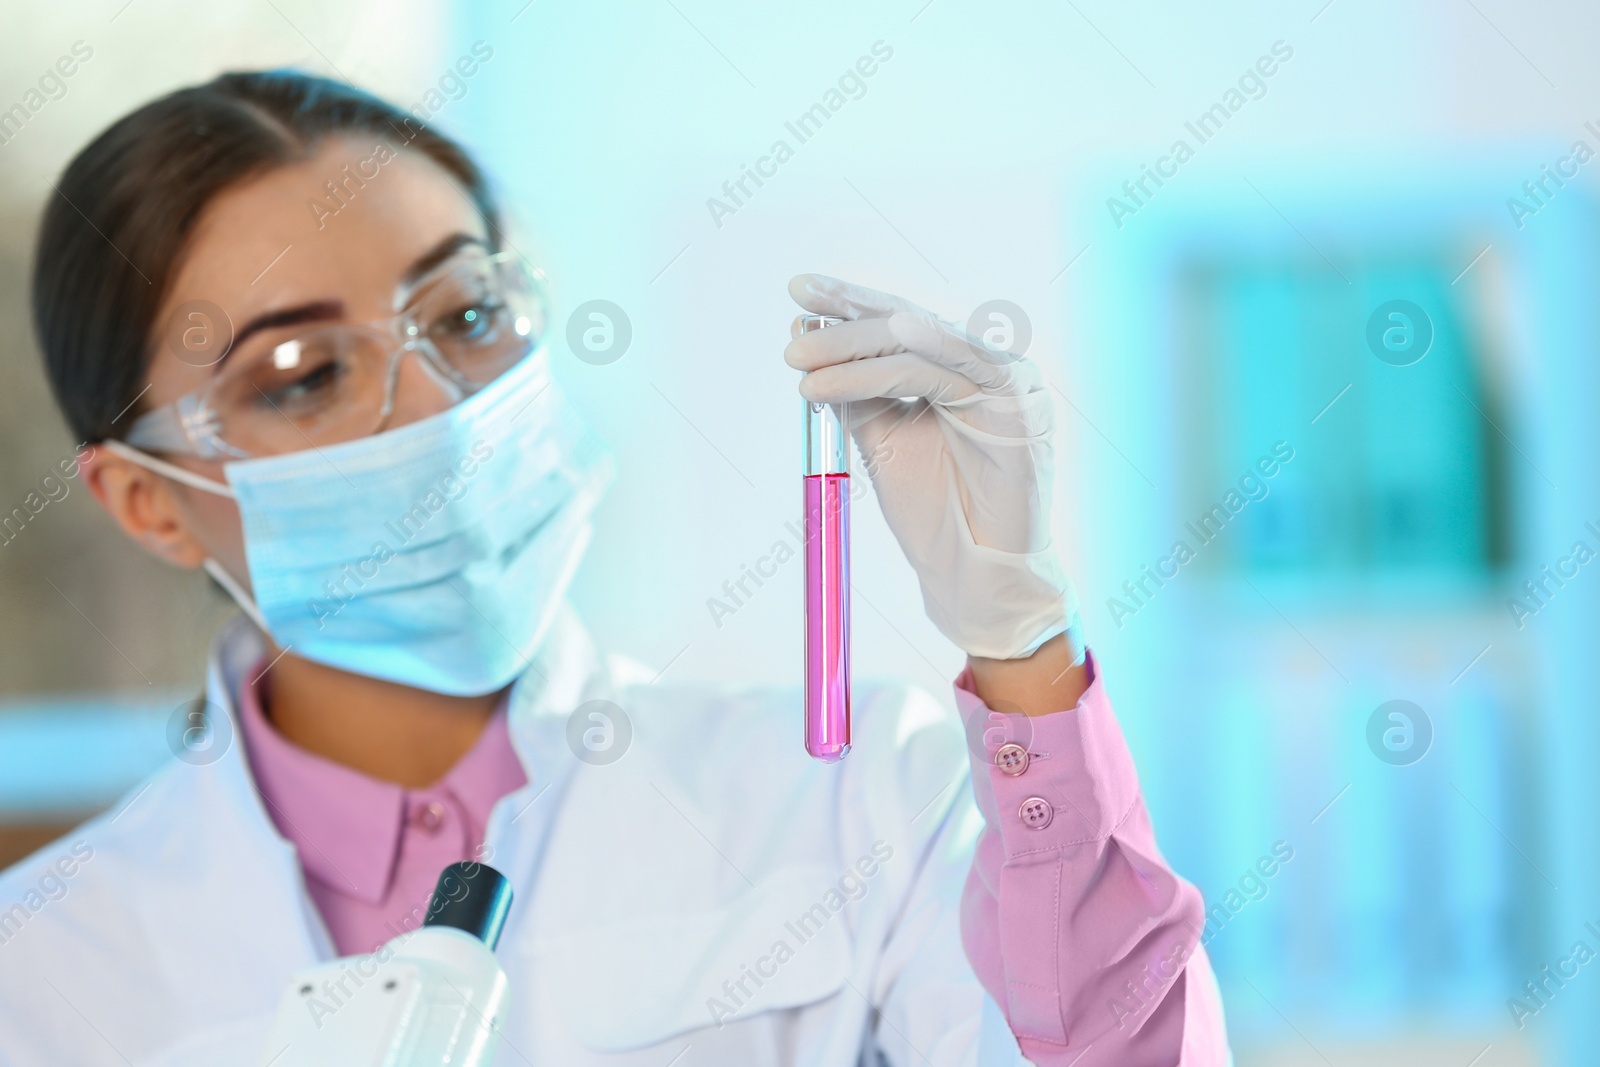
(378, 468)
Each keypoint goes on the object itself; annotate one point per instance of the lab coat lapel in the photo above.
(238, 649)
(566, 673)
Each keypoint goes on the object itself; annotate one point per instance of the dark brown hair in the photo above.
(115, 230)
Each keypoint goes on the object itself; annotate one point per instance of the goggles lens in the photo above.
(324, 385)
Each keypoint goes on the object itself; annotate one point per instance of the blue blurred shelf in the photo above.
(68, 756)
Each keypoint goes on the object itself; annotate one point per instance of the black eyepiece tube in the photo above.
(473, 897)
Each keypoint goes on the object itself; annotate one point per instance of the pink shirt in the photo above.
(1070, 916)
(372, 850)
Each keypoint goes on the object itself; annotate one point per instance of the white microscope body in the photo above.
(429, 998)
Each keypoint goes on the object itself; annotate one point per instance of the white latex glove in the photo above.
(956, 441)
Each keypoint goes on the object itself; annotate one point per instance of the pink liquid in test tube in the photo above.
(827, 577)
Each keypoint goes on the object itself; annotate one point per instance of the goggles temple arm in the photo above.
(160, 430)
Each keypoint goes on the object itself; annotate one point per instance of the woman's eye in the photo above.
(315, 381)
(471, 323)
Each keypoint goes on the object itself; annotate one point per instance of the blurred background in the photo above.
(1349, 243)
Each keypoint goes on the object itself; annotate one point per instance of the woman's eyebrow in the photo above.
(328, 310)
(439, 253)
(319, 311)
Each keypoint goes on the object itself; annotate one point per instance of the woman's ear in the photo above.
(146, 505)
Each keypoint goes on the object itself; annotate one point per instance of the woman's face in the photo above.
(274, 247)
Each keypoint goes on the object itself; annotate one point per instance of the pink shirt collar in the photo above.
(348, 827)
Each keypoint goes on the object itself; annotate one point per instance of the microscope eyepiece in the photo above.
(473, 897)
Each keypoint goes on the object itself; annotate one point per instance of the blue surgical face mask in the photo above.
(434, 555)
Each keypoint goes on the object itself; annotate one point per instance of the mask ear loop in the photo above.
(198, 481)
(235, 590)
(170, 470)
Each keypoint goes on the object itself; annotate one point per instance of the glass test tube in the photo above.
(827, 528)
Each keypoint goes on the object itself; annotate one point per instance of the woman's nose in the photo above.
(419, 391)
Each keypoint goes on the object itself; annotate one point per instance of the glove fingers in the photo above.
(863, 339)
(901, 375)
(947, 346)
(822, 295)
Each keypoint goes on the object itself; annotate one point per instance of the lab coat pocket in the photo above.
(632, 983)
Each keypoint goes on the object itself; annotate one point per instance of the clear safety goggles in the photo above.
(468, 322)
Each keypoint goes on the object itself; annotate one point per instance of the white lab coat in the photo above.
(164, 931)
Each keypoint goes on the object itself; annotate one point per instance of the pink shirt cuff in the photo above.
(1071, 917)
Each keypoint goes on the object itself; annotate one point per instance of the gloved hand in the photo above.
(956, 441)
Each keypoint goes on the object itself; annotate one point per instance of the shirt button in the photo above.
(1011, 758)
(1036, 813)
(430, 816)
